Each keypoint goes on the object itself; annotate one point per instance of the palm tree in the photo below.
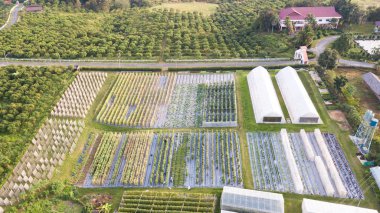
(106, 208)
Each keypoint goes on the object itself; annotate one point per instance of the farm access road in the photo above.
(150, 64)
(325, 42)
(13, 16)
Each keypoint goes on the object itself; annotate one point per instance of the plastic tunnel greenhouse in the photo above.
(265, 103)
(301, 108)
(244, 200)
(313, 206)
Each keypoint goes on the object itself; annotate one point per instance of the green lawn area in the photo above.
(365, 28)
(205, 8)
(367, 3)
(246, 123)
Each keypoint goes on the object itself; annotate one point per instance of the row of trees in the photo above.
(142, 34)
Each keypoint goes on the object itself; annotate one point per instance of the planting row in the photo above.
(78, 98)
(304, 163)
(145, 201)
(199, 159)
(147, 100)
(48, 150)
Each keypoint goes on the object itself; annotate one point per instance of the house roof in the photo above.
(300, 13)
(377, 23)
(34, 8)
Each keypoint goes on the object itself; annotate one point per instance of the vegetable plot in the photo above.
(145, 201)
(319, 161)
(199, 159)
(147, 100)
(78, 98)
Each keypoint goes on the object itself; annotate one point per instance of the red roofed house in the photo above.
(323, 16)
(34, 8)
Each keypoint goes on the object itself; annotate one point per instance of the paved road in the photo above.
(322, 45)
(13, 16)
(151, 65)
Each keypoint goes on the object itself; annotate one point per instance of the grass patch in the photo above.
(205, 8)
(367, 3)
(365, 28)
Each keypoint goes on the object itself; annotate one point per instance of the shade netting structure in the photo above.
(313, 206)
(264, 99)
(244, 200)
(297, 100)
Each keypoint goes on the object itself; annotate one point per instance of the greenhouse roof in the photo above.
(376, 174)
(263, 95)
(373, 82)
(296, 98)
(314, 206)
(241, 200)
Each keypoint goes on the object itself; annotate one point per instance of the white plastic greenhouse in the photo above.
(264, 98)
(316, 206)
(244, 200)
(301, 108)
(376, 174)
(342, 192)
(322, 171)
(307, 145)
(294, 173)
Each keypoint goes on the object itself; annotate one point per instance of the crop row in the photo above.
(200, 159)
(166, 202)
(170, 100)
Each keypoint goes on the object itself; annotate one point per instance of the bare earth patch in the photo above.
(340, 118)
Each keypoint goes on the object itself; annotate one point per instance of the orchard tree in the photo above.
(328, 59)
(344, 43)
(267, 20)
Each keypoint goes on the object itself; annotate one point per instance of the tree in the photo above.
(328, 59)
(343, 43)
(267, 20)
(289, 25)
(305, 37)
(373, 14)
(351, 12)
(310, 19)
(340, 82)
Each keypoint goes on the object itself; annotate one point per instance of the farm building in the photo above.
(376, 175)
(314, 206)
(301, 108)
(373, 82)
(325, 16)
(244, 200)
(34, 8)
(263, 96)
(301, 55)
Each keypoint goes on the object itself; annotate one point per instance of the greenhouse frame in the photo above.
(313, 206)
(244, 200)
(264, 99)
(300, 107)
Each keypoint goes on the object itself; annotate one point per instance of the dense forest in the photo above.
(27, 95)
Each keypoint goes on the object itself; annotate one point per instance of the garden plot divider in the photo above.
(166, 159)
(172, 100)
(271, 171)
